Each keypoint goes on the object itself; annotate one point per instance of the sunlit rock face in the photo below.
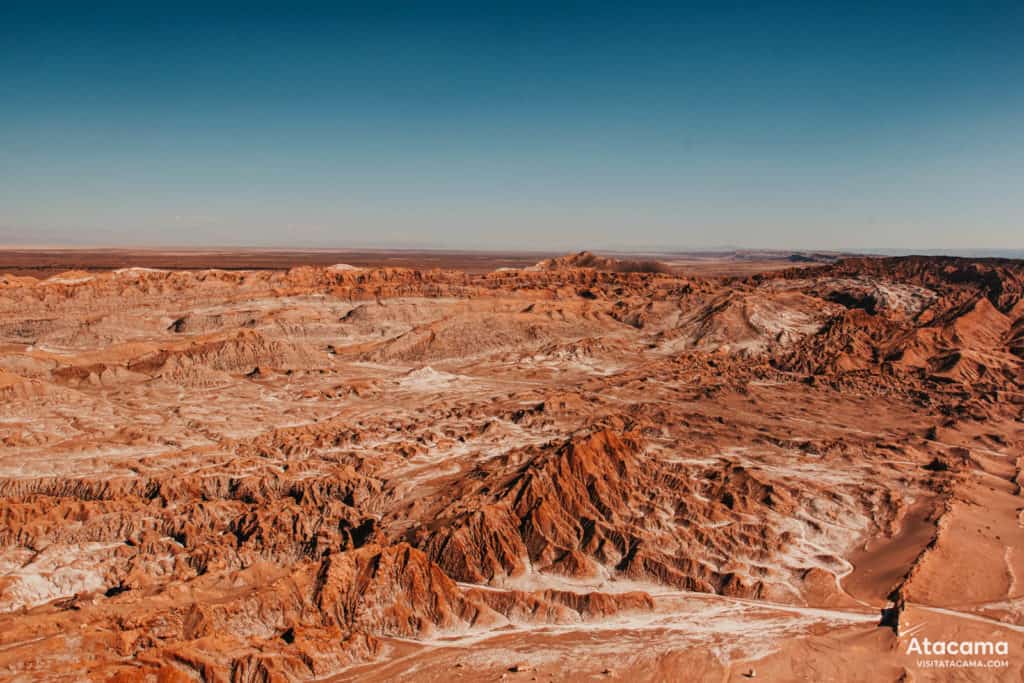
(585, 468)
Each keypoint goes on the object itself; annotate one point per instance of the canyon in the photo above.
(592, 467)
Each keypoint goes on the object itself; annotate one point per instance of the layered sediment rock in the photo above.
(241, 475)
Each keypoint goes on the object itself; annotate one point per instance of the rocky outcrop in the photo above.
(280, 475)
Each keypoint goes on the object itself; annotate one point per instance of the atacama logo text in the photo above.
(959, 654)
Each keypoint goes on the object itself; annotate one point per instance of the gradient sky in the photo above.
(527, 125)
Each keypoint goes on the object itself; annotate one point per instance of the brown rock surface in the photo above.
(589, 468)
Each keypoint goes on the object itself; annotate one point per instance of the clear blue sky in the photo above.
(533, 125)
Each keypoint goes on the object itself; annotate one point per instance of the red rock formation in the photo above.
(277, 475)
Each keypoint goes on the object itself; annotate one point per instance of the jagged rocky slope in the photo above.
(294, 474)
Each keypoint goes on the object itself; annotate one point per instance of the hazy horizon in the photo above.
(638, 251)
(796, 127)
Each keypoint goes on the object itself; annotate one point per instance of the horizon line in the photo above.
(866, 251)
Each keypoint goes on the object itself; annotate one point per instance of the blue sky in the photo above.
(585, 125)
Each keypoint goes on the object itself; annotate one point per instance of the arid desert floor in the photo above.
(455, 466)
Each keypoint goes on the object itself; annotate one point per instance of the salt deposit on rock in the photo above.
(593, 468)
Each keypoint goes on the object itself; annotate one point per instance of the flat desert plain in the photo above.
(480, 468)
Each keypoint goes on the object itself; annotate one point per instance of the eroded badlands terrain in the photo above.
(582, 470)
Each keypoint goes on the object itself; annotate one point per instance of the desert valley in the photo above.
(586, 468)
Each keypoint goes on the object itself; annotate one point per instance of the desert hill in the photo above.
(351, 473)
